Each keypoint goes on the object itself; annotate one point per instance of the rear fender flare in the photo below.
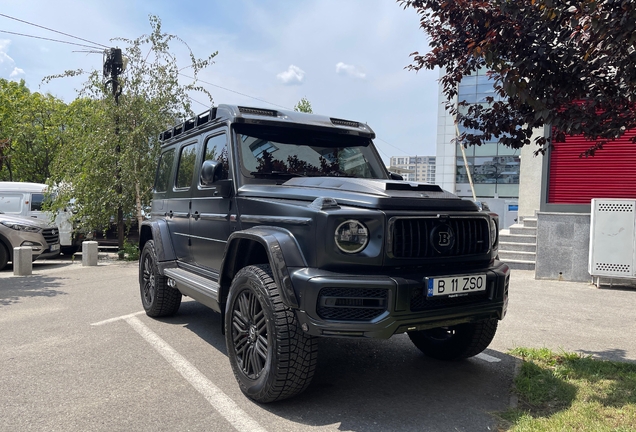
(157, 230)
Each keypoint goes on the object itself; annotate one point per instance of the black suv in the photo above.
(289, 225)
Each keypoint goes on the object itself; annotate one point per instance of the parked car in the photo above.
(26, 199)
(16, 231)
(290, 226)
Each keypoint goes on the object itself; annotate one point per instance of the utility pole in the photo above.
(113, 67)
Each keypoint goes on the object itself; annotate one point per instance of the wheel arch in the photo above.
(4, 242)
(262, 245)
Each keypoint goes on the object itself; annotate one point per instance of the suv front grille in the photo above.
(435, 237)
(51, 235)
(351, 304)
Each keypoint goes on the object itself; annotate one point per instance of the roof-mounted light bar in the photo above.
(258, 111)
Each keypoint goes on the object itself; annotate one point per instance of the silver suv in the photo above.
(16, 231)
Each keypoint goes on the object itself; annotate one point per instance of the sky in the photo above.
(347, 57)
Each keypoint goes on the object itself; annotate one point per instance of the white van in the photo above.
(26, 199)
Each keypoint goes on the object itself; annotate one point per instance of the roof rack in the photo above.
(188, 125)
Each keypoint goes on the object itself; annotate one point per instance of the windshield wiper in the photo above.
(275, 174)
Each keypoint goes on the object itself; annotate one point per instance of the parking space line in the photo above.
(119, 318)
(222, 403)
(488, 358)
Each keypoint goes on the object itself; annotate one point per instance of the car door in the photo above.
(177, 207)
(211, 206)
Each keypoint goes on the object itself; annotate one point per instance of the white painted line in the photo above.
(123, 317)
(215, 396)
(488, 358)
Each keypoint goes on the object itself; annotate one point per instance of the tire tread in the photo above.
(297, 353)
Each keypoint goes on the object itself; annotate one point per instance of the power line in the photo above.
(234, 91)
(49, 39)
(55, 31)
(271, 103)
(200, 103)
(397, 148)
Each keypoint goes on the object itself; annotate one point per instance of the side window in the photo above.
(11, 203)
(163, 172)
(216, 150)
(36, 201)
(185, 172)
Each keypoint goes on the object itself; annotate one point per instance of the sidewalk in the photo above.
(571, 316)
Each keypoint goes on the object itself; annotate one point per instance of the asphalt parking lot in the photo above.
(77, 354)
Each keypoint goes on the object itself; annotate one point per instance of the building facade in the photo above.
(414, 168)
(494, 168)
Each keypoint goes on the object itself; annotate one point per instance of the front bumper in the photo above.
(48, 253)
(388, 304)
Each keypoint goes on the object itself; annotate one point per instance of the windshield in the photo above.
(283, 153)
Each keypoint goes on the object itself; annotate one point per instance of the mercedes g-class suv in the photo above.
(289, 225)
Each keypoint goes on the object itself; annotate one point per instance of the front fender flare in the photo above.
(282, 251)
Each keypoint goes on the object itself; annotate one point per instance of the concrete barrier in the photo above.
(22, 261)
(89, 253)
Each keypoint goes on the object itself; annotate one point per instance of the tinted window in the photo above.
(216, 150)
(185, 172)
(36, 201)
(279, 152)
(163, 173)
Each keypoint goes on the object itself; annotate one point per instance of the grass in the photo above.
(571, 392)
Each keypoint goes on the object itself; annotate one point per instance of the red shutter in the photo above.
(611, 173)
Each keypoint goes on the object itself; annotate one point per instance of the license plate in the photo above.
(456, 285)
(55, 247)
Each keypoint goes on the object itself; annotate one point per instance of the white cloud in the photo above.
(16, 71)
(292, 76)
(7, 64)
(351, 70)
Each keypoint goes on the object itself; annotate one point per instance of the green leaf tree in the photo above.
(110, 164)
(570, 65)
(303, 106)
(32, 129)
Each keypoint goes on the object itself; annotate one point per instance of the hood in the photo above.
(367, 193)
(39, 223)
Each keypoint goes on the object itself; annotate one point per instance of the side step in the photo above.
(191, 281)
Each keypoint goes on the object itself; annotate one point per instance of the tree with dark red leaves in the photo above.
(567, 64)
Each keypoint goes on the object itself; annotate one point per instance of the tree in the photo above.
(32, 129)
(567, 64)
(303, 106)
(110, 167)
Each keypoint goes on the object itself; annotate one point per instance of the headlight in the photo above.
(20, 227)
(494, 232)
(351, 236)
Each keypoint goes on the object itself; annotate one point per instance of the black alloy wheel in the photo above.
(249, 334)
(271, 356)
(157, 297)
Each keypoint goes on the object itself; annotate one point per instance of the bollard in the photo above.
(89, 253)
(22, 261)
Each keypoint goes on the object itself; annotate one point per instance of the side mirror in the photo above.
(210, 172)
(395, 176)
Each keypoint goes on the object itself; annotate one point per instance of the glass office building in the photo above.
(494, 167)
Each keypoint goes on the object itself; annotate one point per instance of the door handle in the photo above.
(196, 215)
(169, 214)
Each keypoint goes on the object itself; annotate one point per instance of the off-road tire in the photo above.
(255, 315)
(4, 256)
(456, 342)
(158, 299)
